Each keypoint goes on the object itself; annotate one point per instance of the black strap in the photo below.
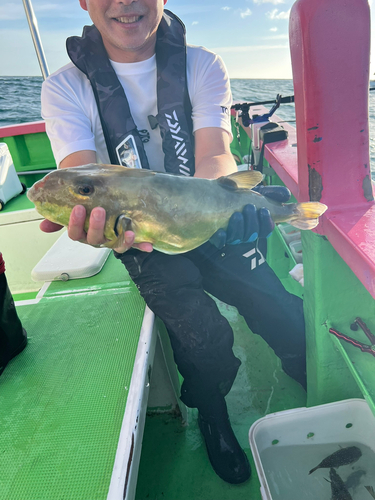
(174, 108)
(89, 55)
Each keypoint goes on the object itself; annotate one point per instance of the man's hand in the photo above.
(95, 234)
(250, 224)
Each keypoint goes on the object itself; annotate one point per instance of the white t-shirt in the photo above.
(73, 123)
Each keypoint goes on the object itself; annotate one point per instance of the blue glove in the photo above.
(250, 224)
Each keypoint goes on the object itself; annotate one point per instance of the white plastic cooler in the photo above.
(10, 185)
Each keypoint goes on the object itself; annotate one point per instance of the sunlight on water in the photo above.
(287, 472)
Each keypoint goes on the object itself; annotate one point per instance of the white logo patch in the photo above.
(257, 258)
(180, 145)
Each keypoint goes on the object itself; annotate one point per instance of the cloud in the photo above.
(226, 8)
(193, 9)
(274, 2)
(273, 29)
(285, 36)
(275, 14)
(245, 13)
(194, 23)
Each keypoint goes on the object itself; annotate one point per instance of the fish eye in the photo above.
(85, 190)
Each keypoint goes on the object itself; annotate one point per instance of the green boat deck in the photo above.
(63, 398)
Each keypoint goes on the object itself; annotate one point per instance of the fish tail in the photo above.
(306, 215)
(371, 490)
(314, 469)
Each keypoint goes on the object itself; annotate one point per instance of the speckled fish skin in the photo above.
(174, 213)
(338, 489)
(345, 456)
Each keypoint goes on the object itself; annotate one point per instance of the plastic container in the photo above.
(296, 249)
(10, 185)
(289, 233)
(68, 259)
(302, 438)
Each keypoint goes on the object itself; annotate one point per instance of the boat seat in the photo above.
(73, 403)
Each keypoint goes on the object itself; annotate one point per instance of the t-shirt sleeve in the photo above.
(67, 125)
(209, 90)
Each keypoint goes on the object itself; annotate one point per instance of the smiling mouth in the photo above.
(128, 19)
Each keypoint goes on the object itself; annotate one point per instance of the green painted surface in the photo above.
(62, 399)
(333, 298)
(361, 366)
(30, 151)
(24, 296)
(113, 275)
(20, 202)
(23, 245)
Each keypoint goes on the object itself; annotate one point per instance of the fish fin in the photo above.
(371, 490)
(122, 224)
(104, 169)
(241, 180)
(308, 214)
(140, 172)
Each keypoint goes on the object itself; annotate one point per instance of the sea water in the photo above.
(20, 101)
(287, 472)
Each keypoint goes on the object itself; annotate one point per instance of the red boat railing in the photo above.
(331, 60)
(22, 129)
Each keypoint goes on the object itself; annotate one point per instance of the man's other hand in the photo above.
(250, 224)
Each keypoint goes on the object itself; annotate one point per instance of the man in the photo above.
(136, 91)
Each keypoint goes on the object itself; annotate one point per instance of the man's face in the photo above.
(128, 27)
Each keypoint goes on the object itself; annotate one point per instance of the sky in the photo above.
(250, 35)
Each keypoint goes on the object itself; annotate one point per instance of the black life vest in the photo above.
(174, 106)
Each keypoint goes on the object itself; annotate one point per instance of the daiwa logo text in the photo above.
(180, 145)
(257, 258)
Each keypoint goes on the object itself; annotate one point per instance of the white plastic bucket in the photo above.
(333, 425)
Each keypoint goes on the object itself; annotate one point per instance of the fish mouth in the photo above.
(32, 193)
(128, 19)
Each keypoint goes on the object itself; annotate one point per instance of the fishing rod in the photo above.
(279, 100)
(245, 106)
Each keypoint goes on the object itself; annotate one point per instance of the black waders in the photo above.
(13, 338)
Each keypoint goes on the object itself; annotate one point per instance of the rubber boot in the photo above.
(13, 337)
(227, 458)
